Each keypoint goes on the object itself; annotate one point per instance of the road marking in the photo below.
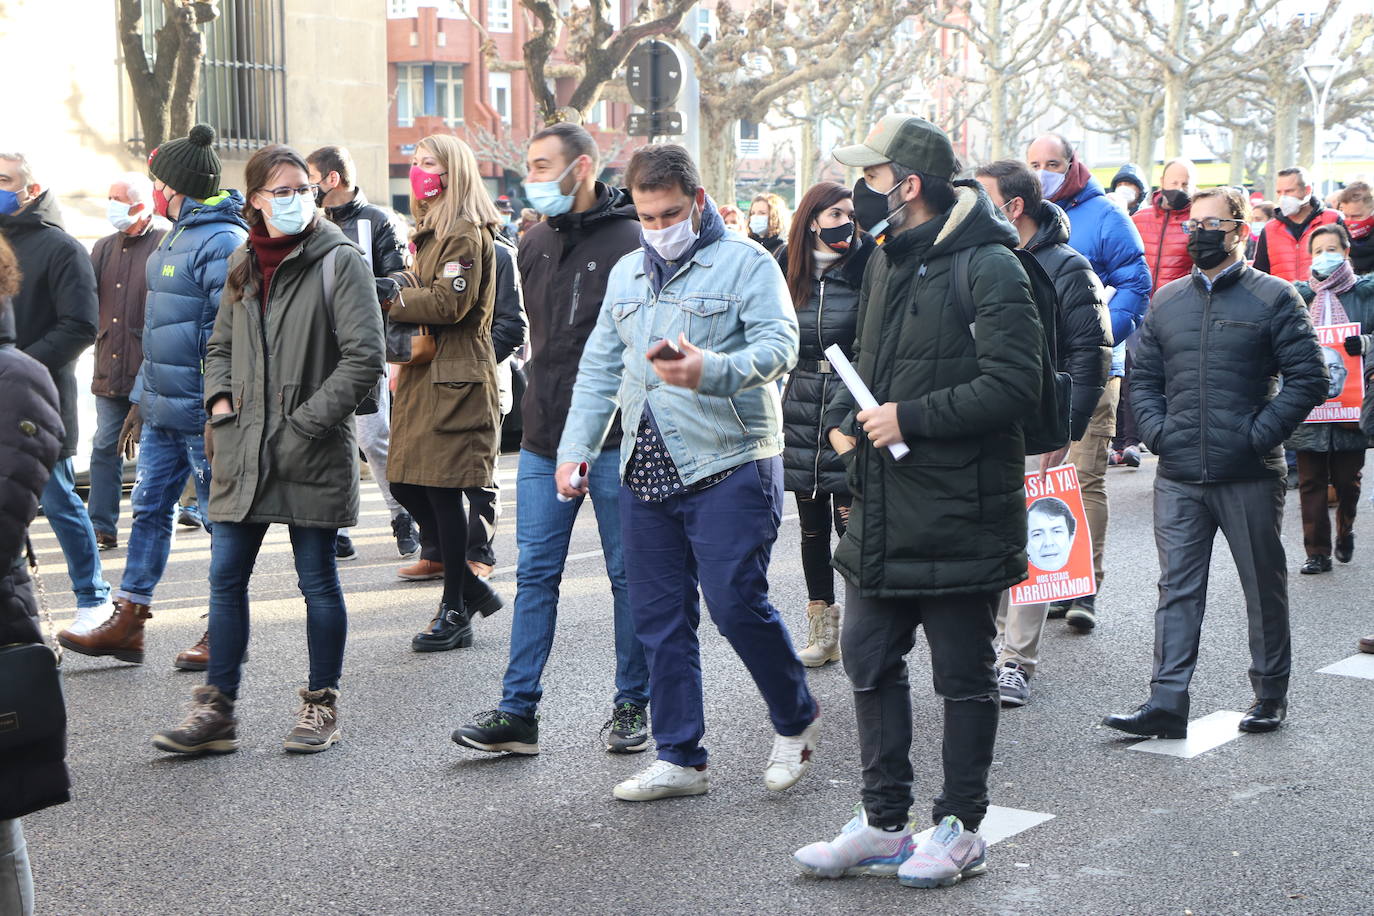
(1358, 665)
(1203, 735)
(1001, 823)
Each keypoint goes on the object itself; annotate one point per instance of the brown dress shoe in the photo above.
(196, 658)
(121, 636)
(106, 541)
(1367, 644)
(422, 571)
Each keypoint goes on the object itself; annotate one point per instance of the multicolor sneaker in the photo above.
(791, 756)
(858, 850)
(946, 856)
(627, 730)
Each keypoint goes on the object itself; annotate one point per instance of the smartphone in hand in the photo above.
(665, 349)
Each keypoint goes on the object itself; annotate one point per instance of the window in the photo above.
(410, 93)
(702, 26)
(500, 15)
(427, 91)
(498, 84)
(598, 114)
(448, 93)
(400, 9)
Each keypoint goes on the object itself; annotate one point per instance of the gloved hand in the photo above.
(209, 443)
(1355, 345)
(387, 291)
(130, 433)
(406, 279)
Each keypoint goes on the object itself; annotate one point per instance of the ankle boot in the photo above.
(196, 658)
(451, 628)
(822, 634)
(480, 598)
(121, 636)
(210, 727)
(317, 722)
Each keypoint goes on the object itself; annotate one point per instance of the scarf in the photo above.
(1326, 307)
(1075, 180)
(824, 260)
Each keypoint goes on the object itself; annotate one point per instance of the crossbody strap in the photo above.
(42, 600)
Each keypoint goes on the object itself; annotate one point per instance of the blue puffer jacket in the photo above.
(1104, 234)
(185, 276)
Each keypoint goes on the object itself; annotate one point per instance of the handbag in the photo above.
(32, 709)
(409, 344)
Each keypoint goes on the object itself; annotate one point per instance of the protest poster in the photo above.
(1345, 391)
(1058, 543)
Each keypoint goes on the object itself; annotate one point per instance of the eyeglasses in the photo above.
(288, 193)
(1212, 223)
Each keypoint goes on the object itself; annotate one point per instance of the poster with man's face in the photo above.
(1345, 388)
(1058, 543)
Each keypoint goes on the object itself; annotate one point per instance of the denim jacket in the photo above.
(732, 302)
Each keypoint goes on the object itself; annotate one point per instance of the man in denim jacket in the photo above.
(694, 329)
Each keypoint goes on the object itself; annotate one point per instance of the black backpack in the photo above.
(1048, 428)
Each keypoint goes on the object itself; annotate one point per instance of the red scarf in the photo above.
(1075, 180)
(271, 252)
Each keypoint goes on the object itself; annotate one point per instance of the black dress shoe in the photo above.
(1345, 548)
(1317, 564)
(450, 629)
(1149, 722)
(480, 598)
(1264, 716)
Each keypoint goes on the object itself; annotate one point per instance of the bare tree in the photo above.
(508, 152)
(1113, 96)
(165, 88)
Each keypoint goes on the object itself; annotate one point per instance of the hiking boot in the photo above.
(791, 757)
(498, 731)
(106, 541)
(480, 598)
(629, 729)
(343, 548)
(1082, 616)
(421, 571)
(451, 628)
(88, 618)
(1345, 547)
(196, 658)
(822, 634)
(948, 855)
(858, 850)
(662, 779)
(1316, 565)
(407, 538)
(1011, 684)
(120, 636)
(317, 722)
(209, 728)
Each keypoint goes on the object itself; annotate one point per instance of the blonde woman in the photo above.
(769, 220)
(445, 418)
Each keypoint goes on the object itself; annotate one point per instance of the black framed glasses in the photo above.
(1213, 223)
(288, 193)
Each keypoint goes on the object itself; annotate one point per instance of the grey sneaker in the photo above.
(627, 730)
(948, 855)
(317, 722)
(1011, 684)
(1082, 616)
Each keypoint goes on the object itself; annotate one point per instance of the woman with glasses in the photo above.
(297, 346)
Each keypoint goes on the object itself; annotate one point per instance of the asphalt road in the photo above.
(398, 819)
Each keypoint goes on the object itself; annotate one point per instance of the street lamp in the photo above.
(1320, 73)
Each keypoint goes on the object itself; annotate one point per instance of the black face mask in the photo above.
(1207, 247)
(1174, 198)
(870, 207)
(838, 238)
(319, 196)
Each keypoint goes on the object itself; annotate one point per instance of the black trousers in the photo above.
(1127, 436)
(876, 637)
(815, 514)
(439, 513)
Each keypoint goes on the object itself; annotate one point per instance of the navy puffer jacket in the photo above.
(185, 276)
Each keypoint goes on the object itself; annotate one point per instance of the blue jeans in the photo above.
(107, 464)
(165, 457)
(67, 516)
(720, 539)
(234, 550)
(543, 530)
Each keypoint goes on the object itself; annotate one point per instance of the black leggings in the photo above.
(483, 509)
(815, 515)
(439, 513)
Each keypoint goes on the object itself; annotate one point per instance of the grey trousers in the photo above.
(1187, 516)
(876, 637)
(16, 883)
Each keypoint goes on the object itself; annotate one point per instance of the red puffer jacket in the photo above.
(1166, 247)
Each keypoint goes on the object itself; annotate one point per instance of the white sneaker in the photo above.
(88, 618)
(858, 850)
(791, 757)
(947, 856)
(662, 780)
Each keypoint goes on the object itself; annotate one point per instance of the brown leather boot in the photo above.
(422, 571)
(196, 658)
(120, 636)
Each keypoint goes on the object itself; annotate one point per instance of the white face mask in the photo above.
(673, 242)
(758, 224)
(118, 214)
(1290, 205)
(1257, 227)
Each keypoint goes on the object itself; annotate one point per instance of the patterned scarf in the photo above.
(1326, 307)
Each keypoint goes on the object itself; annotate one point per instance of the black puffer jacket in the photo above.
(386, 255)
(30, 438)
(1083, 326)
(829, 317)
(1205, 376)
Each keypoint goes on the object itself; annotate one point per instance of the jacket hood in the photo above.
(42, 212)
(1053, 228)
(1129, 172)
(973, 221)
(224, 207)
(611, 203)
(350, 209)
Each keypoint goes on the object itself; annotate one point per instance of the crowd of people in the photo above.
(680, 372)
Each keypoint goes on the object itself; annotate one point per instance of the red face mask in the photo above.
(1359, 228)
(160, 202)
(426, 185)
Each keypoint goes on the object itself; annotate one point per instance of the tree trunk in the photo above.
(998, 142)
(1175, 112)
(1143, 140)
(1285, 131)
(1239, 140)
(190, 52)
(718, 154)
(806, 163)
(1307, 142)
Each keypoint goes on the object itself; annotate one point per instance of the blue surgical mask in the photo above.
(547, 196)
(758, 224)
(9, 202)
(1050, 182)
(1326, 264)
(118, 214)
(292, 215)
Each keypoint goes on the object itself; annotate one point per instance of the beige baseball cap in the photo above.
(906, 140)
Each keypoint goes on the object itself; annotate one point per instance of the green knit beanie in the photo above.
(189, 165)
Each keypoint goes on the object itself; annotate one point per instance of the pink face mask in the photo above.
(426, 185)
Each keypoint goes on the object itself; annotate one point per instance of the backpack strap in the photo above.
(330, 257)
(963, 286)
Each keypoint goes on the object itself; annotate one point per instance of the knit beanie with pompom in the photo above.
(189, 165)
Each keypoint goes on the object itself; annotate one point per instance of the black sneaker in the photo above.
(627, 730)
(343, 548)
(407, 538)
(1058, 609)
(188, 517)
(497, 731)
(1083, 615)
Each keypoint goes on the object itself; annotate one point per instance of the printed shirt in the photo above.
(651, 475)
